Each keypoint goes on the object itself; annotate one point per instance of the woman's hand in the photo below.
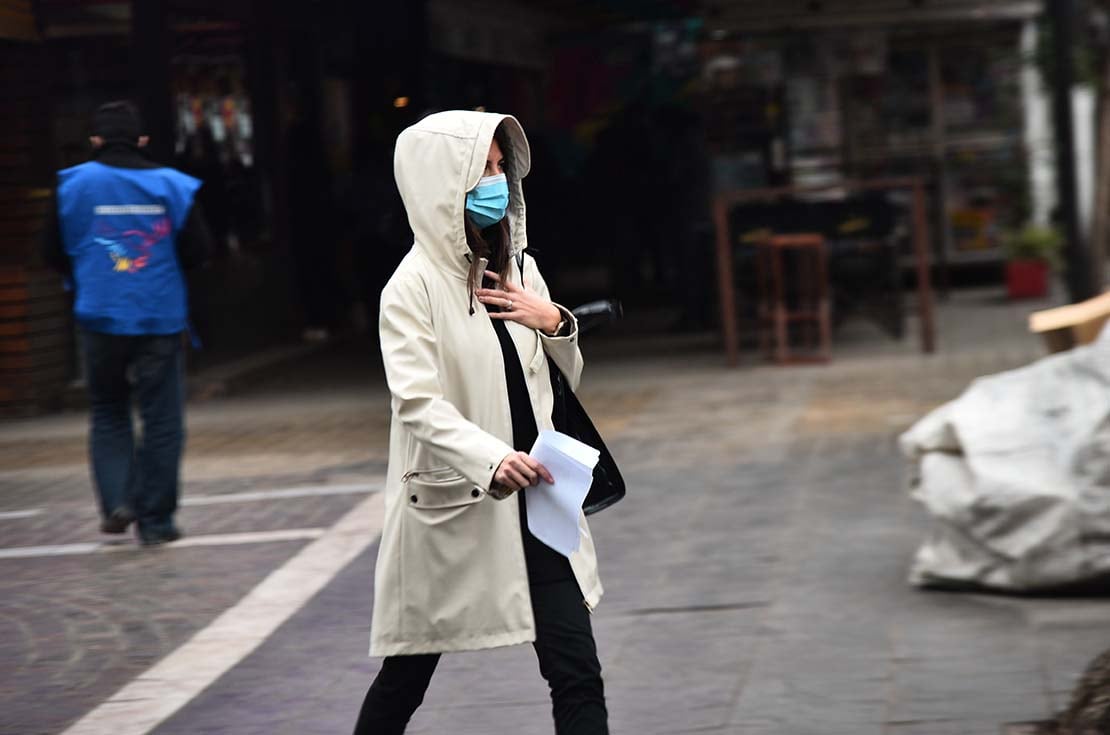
(525, 307)
(518, 471)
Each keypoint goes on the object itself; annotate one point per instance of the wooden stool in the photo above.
(810, 280)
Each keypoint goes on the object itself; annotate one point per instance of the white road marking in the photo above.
(173, 682)
(22, 552)
(236, 539)
(310, 491)
(292, 492)
(214, 539)
(8, 515)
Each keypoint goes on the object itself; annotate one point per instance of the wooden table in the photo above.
(724, 201)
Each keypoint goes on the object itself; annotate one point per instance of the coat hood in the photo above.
(437, 161)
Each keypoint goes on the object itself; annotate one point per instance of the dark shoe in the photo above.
(160, 537)
(118, 521)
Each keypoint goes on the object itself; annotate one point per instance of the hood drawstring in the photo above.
(470, 279)
(470, 283)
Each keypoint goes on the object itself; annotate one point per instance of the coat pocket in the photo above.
(440, 489)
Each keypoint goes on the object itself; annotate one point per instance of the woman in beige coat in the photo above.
(466, 329)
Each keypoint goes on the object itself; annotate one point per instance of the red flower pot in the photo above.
(1027, 279)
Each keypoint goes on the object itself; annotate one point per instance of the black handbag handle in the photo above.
(592, 315)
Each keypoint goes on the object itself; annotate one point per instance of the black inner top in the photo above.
(544, 563)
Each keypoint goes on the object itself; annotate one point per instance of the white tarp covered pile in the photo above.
(1016, 476)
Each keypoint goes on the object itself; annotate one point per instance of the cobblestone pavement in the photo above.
(755, 575)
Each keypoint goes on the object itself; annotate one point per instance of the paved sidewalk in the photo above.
(755, 575)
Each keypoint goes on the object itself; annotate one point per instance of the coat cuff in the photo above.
(485, 471)
(569, 332)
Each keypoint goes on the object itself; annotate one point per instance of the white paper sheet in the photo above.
(553, 510)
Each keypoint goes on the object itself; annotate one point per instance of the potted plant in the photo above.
(1031, 254)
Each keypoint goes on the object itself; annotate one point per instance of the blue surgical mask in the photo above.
(487, 202)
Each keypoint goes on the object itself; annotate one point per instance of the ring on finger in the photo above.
(510, 305)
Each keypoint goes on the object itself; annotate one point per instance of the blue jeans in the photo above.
(142, 478)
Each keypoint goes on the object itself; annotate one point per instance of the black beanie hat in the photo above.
(116, 121)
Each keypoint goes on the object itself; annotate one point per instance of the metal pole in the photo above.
(1079, 273)
(921, 259)
(725, 292)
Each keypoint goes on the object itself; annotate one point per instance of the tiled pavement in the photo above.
(755, 573)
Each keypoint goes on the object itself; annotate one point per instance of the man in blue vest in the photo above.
(124, 232)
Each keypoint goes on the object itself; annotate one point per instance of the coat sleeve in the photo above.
(563, 348)
(409, 352)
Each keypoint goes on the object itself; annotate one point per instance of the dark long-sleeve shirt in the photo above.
(544, 564)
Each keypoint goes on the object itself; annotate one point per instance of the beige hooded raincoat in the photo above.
(450, 572)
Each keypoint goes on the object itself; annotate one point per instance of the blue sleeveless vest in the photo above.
(120, 228)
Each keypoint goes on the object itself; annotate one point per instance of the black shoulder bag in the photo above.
(570, 418)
